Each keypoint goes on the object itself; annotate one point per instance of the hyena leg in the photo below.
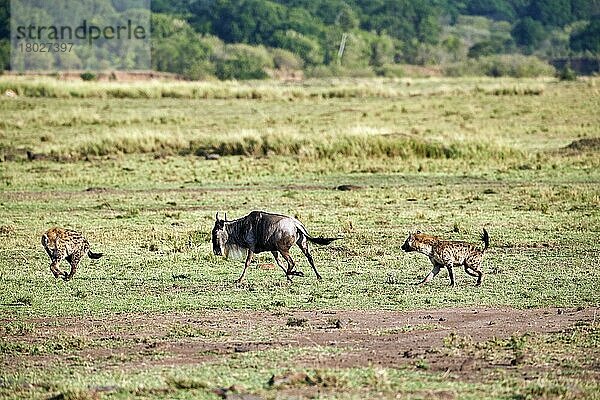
(56, 258)
(451, 275)
(436, 270)
(473, 270)
(54, 268)
(246, 265)
(74, 261)
(303, 244)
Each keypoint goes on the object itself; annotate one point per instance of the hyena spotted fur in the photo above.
(448, 254)
(65, 244)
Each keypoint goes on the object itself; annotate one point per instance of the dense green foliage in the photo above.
(323, 37)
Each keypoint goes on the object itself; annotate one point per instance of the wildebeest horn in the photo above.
(225, 217)
(217, 216)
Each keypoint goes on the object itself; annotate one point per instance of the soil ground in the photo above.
(359, 338)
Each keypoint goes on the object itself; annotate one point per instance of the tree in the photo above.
(305, 47)
(528, 33)
(585, 9)
(495, 9)
(347, 19)
(485, 48)
(4, 19)
(382, 50)
(551, 12)
(176, 47)
(587, 39)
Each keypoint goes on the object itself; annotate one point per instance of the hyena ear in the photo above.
(418, 232)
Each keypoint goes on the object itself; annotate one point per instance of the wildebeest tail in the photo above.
(94, 256)
(485, 238)
(318, 240)
(321, 241)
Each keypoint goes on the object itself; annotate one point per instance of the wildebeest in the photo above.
(261, 231)
(448, 254)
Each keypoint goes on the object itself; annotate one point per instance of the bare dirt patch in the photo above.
(447, 340)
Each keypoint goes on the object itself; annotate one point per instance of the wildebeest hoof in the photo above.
(297, 273)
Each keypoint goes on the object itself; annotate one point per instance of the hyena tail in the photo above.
(94, 256)
(485, 238)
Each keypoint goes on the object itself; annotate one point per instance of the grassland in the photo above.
(127, 165)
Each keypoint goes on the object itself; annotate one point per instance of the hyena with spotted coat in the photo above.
(448, 254)
(65, 244)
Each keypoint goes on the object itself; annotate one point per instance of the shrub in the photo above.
(88, 76)
(513, 65)
(567, 74)
(390, 71)
(243, 62)
(284, 59)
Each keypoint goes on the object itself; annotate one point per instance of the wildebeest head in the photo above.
(219, 235)
(409, 243)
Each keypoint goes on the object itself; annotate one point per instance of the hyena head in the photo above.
(410, 242)
(418, 242)
(219, 236)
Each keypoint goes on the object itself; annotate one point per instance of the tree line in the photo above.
(245, 39)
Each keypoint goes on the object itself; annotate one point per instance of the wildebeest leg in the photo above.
(246, 264)
(290, 262)
(436, 270)
(276, 255)
(451, 275)
(74, 261)
(303, 244)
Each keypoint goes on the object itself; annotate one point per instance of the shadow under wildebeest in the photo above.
(261, 231)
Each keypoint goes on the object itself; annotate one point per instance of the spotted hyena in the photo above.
(65, 244)
(448, 254)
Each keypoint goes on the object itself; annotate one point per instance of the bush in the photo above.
(567, 74)
(284, 59)
(88, 76)
(243, 62)
(390, 71)
(513, 65)
(200, 71)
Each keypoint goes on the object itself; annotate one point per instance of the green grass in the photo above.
(444, 156)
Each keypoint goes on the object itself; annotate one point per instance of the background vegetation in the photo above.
(249, 39)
